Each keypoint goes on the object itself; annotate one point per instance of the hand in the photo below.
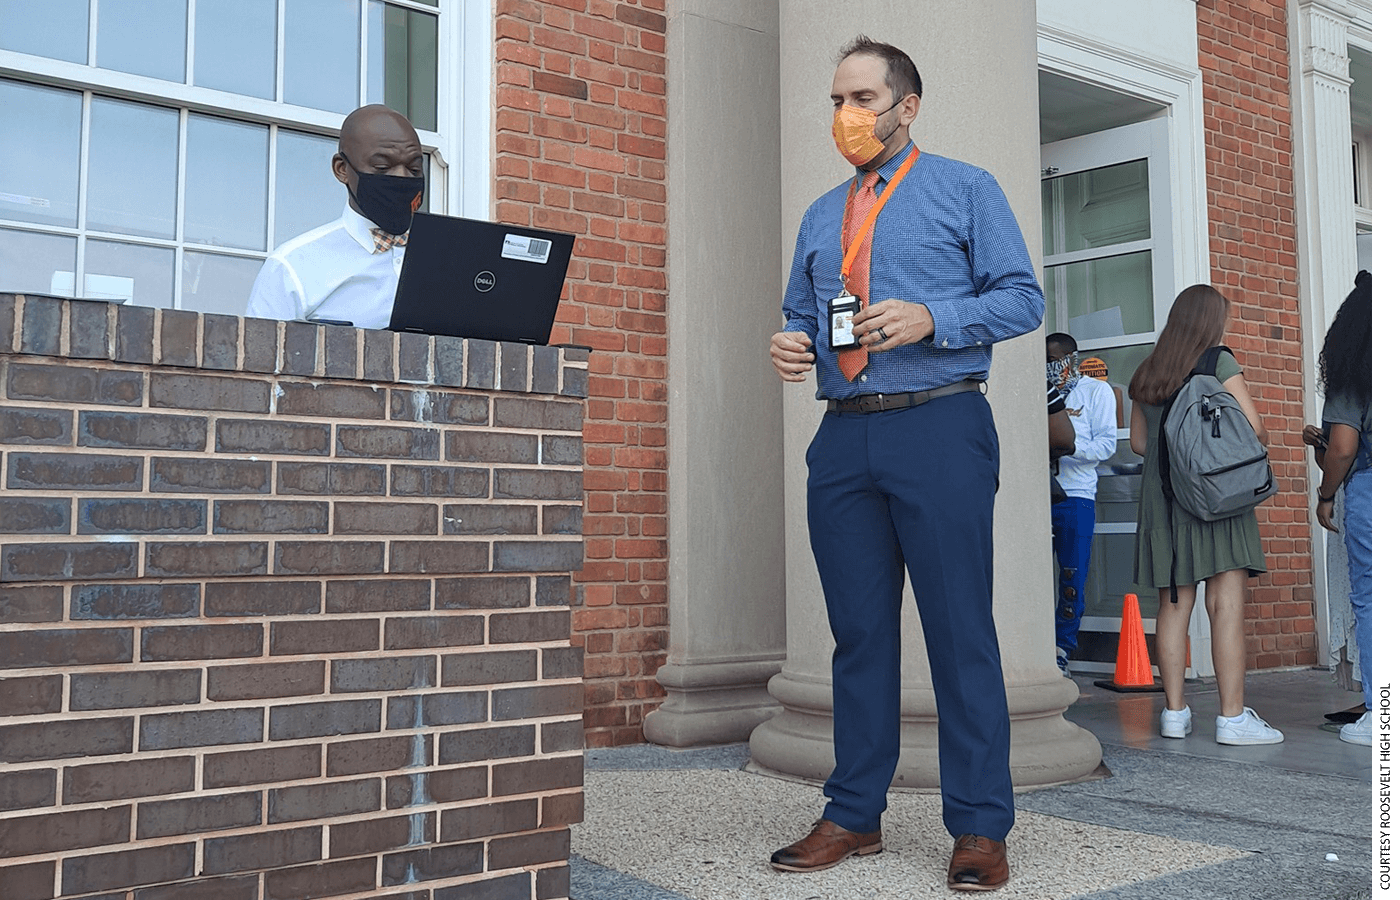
(792, 355)
(892, 323)
(1324, 515)
(1314, 437)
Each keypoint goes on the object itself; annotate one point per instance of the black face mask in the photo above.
(388, 201)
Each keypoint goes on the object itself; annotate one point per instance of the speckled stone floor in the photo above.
(1178, 820)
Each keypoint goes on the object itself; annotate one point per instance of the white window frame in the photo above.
(1180, 91)
(1362, 162)
(1141, 141)
(459, 150)
(1179, 88)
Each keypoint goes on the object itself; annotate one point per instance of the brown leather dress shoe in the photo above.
(826, 846)
(978, 864)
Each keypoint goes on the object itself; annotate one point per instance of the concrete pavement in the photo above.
(1174, 819)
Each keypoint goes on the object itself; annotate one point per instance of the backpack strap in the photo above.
(1164, 472)
(1206, 364)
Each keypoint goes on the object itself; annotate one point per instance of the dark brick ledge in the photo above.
(97, 330)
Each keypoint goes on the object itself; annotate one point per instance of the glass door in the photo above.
(1106, 222)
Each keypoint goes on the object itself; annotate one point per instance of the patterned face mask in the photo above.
(853, 129)
(1064, 373)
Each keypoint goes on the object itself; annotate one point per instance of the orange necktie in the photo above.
(853, 361)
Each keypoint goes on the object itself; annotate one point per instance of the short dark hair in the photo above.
(1063, 340)
(901, 75)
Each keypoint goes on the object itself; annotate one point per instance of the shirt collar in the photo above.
(891, 165)
(358, 226)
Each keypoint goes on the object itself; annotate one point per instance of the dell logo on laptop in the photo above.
(485, 281)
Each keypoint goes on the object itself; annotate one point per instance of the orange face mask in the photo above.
(853, 128)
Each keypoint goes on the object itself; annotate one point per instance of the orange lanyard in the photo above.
(850, 257)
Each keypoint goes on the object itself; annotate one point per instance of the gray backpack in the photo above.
(1212, 464)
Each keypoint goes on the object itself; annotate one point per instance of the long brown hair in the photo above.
(1195, 324)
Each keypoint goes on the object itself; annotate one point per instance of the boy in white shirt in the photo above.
(1093, 410)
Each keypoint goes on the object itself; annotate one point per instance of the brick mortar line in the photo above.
(198, 838)
(201, 754)
(267, 787)
(243, 662)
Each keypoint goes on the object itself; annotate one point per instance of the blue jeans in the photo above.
(1356, 530)
(1072, 530)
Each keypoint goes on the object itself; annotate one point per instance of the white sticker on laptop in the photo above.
(535, 250)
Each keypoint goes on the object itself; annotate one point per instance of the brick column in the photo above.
(1254, 261)
(284, 609)
(581, 147)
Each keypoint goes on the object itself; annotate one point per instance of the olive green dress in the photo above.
(1203, 548)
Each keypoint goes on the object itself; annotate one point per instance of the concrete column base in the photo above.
(712, 702)
(1045, 748)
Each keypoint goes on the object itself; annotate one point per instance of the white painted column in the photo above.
(1322, 183)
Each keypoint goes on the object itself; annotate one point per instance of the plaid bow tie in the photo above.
(383, 240)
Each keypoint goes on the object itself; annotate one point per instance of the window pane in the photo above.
(141, 275)
(403, 62)
(216, 283)
(37, 263)
(57, 29)
(307, 193)
(143, 37)
(1102, 298)
(40, 132)
(226, 183)
(235, 46)
(1121, 363)
(1096, 208)
(131, 168)
(1111, 576)
(321, 54)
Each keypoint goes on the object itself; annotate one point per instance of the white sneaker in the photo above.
(1176, 723)
(1247, 729)
(1062, 660)
(1358, 732)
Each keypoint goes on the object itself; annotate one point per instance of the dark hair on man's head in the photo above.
(1344, 365)
(901, 75)
(1060, 339)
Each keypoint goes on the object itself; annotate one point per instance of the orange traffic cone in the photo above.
(1133, 670)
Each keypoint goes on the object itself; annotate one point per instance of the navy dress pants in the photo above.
(912, 488)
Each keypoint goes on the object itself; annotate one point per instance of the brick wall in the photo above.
(1253, 252)
(284, 609)
(581, 148)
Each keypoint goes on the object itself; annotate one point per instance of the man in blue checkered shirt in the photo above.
(903, 469)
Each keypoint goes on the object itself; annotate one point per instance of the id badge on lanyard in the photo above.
(841, 309)
(841, 312)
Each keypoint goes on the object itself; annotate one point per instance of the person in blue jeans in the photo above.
(1094, 412)
(1343, 449)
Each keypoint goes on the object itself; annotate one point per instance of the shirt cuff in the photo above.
(946, 325)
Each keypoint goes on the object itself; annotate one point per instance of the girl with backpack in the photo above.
(1175, 550)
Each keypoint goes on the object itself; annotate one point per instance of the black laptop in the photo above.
(473, 279)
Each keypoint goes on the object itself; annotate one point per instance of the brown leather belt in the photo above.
(869, 403)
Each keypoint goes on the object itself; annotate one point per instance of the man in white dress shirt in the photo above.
(348, 270)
